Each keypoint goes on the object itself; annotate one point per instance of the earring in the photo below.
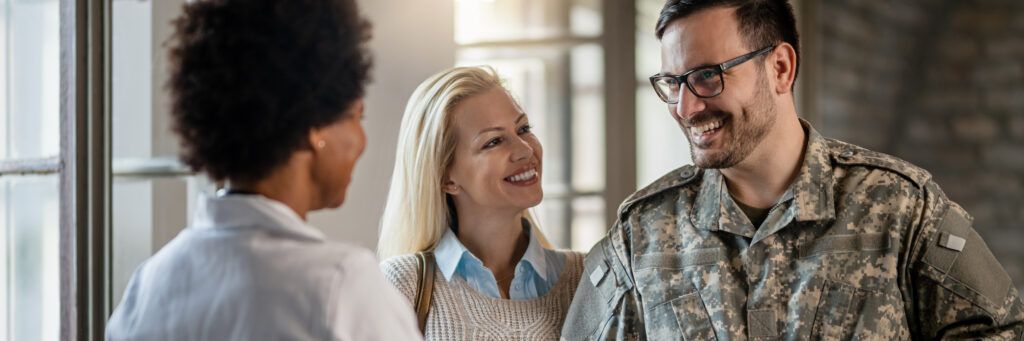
(321, 144)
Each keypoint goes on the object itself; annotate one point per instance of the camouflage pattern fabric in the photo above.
(862, 246)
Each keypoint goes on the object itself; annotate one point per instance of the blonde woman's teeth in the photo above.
(524, 176)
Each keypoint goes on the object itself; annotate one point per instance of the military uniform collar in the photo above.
(714, 210)
(813, 189)
(811, 192)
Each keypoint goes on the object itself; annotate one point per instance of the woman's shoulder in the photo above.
(572, 258)
(402, 271)
(573, 262)
(402, 266)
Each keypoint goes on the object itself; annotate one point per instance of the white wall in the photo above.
(412, 39)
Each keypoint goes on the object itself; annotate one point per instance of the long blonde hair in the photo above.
(417, 210)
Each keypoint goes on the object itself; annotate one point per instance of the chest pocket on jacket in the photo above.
(843, 311)
(855, 274)
(862, 260)
(671, 285)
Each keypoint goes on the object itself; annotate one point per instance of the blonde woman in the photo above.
(467, 169)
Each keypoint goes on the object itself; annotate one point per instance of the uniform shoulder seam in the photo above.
(676, 178)
(852, 155)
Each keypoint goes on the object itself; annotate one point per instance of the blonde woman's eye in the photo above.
(492, 143)
(526, 129)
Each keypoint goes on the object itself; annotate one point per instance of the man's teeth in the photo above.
(705, 128)
(527, 175)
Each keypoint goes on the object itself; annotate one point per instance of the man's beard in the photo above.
(747, 130)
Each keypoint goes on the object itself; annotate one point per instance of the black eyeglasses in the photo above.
(704, 81)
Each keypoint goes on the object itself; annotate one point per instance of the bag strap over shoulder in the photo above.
(426, 287)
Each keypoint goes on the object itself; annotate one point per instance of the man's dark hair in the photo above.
(762, 22)
(250, 78)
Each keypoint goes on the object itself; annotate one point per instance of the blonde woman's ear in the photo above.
(450, 187)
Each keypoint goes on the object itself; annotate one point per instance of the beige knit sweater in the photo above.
(457, 312)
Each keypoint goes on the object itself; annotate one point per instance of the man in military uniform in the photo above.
(778, 232)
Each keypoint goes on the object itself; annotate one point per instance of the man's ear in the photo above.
(782, 63)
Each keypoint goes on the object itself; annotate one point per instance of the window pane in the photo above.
(132, 80)
(502, 20)
(588, 169)
(29, 258)
(140, 107)
(30, 94)
(29, 128)
(588, 222)
(553, 216)
(585, 17)
(661, 145)
(648, 49)
(648, 57)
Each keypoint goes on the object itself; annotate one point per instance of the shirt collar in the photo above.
(813, 195)
(534, 253)
(251, 211)
(811, 192)
(450, 252)
(714, 209)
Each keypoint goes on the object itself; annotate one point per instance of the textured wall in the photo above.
(939, 83)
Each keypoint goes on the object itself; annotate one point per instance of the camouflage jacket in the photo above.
(862, 246)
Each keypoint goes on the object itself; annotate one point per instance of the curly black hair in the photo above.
(250, 78)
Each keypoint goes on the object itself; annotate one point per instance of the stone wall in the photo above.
(939, 83)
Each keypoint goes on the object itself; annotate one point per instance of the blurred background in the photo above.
(937, 82)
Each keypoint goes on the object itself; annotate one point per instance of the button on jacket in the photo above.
(250, 269)
(862, 246)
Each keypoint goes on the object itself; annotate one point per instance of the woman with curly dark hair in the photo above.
(267, 99)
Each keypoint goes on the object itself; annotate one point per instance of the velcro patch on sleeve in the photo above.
(598, 274)
(969, 268)
(952, 242)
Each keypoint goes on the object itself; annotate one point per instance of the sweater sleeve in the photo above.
(403, 273)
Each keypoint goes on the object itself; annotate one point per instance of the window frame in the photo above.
(85, 172)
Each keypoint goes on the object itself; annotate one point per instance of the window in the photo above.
(29, 170)
(82, 125)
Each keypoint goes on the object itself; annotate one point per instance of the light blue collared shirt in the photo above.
(535, 273)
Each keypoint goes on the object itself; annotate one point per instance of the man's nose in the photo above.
(688, 104)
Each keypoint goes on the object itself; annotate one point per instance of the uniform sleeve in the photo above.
(366, 307)
(606, 305)
(960, 290)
